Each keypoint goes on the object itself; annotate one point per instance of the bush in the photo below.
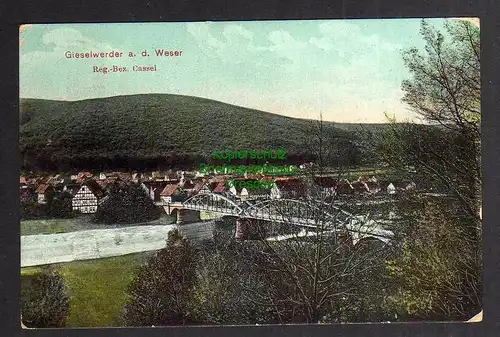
(61, 206)
(57, 206)
(439, 270)
(44, 302)
(127, 204)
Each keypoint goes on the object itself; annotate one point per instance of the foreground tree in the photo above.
(317, 273)
(444, 91)
(438, 272)
(160, 293)
(226, 283)
(44, 301)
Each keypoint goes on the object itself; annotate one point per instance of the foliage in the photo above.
(58, 205)
(445, 90)
(32, 209)
(127, 204)
(160, 292)
(438, 272)
(44, 301)
(330, 148)
(61, 206)
(224, 292)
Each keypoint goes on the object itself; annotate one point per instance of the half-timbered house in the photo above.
(88, 197)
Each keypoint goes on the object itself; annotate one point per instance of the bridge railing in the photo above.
(297, 212)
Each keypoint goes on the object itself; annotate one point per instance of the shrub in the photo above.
(127, 204)
(44, 302)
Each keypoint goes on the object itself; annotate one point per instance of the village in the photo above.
(88, 190)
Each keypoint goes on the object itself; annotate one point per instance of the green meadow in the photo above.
(97, 288)
(83, 222)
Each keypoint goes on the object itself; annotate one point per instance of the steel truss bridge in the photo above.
(309, 215)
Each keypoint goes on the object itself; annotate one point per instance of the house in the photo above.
(82, 176)
(198, 186)
(373, 187)
(171, 176)
(391, 189)
(344, 187)
(187, 185)
(23, 183)
(43, 192)
(288, 189)
(306, 165)
(218, 187)
(245, 192)
(239, 192)
(157, 175)
(360, 187)
(88, 197)
(168, 193)
(406, 186)
(146, 176)
(125, 176)
(154, 189)
(401, 187)
(207, 187)
(326, 185)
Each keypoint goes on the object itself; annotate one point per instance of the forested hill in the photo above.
(142, 131)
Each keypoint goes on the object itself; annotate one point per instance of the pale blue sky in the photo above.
(350, 70)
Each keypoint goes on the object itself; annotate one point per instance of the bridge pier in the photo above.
(242, 229)
(185, 216)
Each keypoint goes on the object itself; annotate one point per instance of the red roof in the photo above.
(42, 188)
(198, 186)
(187, 185)
(218, 187)
(291, 188)
(169, 190)
(95, 188)
(326, 182)
(84, 175)
(22, 180)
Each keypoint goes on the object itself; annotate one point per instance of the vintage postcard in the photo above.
(250, 173)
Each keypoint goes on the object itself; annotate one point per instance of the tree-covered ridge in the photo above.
(150, 126)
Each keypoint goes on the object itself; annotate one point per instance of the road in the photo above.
(91, 244)
(99, 243)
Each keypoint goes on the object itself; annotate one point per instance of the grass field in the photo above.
(97, 288)
(83, 222)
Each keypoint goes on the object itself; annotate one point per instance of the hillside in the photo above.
(146, 129)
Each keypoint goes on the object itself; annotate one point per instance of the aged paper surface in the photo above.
(236, 173)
